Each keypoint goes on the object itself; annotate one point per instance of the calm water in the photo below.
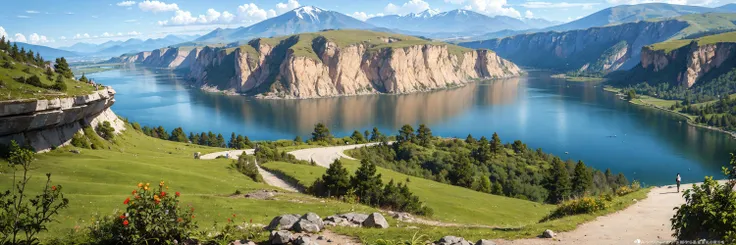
(553, 114)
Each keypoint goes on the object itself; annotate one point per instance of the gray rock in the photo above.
(75, 151)
(485, 242)
(283, 222)
(242, 242)
(452, 240)
(314, 219)
(548, 234)
(306, 226)
(280, 237)
(376, 220)
(303, 240)
(320, 238)
(355, 218)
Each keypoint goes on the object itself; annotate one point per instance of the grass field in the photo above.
(97, 182)
(670, 45)
(11, 89)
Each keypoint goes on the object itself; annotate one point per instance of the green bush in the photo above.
(60, 84)
(152, 216)
(625, 190)
(105, 130)
(79, 140)
(709, 211)
(95, 141)
(583, 205)
(247, 165)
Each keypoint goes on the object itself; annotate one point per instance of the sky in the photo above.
(58, 23)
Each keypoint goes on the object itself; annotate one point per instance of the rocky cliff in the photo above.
(323, 64)
(44, 124)
(685, 66)
(598, 49)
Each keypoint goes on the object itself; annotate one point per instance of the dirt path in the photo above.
(268, 177)
(324, 156)
(647, 221)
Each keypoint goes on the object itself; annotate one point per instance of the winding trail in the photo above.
(324, 156)
(268, 177)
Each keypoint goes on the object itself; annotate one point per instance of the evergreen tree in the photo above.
(178, 135)
(375, 135)
(240, 143)
(470, 140)
(59, 84)
(582, 180)
(193, 138)
(485, 184)
(497, 188)
(321, 133)
(62, 67)
(462, 174)
(247, 142)
(366, 135)
(83, 79)
(204, 139)
(233, 143)
(367, 183)
(424, 135)
(161, 132)
(483, 152)
(298, 139)
(518, 146)
(357, 137)
(559, 182)
(336, 180)
(496, 144)
(406, 134)
(220, 141)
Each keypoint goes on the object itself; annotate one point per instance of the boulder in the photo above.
(305, 226)
(401, 216)
(313, 218)
(376, 220)
(280, 237)
(548, 234)
(303, 240)
(354, 218)
(485, 242)
(452, 240)
(283, 222)
(242, 242)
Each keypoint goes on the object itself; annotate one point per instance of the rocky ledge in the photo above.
(45, 124)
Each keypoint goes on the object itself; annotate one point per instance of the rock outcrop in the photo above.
(598, 49)
(287, 69)
(688, 64)
(45, 124)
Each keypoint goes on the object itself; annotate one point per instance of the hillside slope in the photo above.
(330, 63)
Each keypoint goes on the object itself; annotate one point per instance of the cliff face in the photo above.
(583, 49)
(688, 64)
(283, 70)
(44, 124)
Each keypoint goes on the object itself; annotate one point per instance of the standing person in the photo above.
(678, 182)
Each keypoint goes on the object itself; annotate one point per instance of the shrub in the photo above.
(137, 126)
(95, 141)
(247, 165)
(60, 84)
(21, 217)
(708, 212)
(105, 130)
(583, 205)
(625, 190)
(152, 216)
(79, 140)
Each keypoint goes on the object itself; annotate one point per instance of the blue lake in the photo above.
(553, 114)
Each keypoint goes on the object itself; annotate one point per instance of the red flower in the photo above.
(229, 221)
(251, 221)
(157, 201)
(122, 216)
(178, 194)
(192, 216)
(127, 200)
(53, 188)
(163, 194)
(233, 215)
(135, 191)
(125, 222)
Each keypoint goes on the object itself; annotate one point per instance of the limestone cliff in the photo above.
(598, 49)
(323, 65)
(687, 65)
(44, 124)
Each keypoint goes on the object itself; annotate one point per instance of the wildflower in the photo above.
(229, 221)
(161, 184)
(148, 184)
(134, 191)
(125, 222)
(127, 200)
(155, 197)
(145, 187)
(192, 216)
(138, 197)
(140, 185)
(163, 194)
(122, 216)
(53, 188)
(233, 215)
(178, 194)
(179, 220)
(157, 201)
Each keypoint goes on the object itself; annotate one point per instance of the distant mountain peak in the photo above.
(429, 13)
(308, 12)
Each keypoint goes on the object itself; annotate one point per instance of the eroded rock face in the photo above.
(689, 63)
(44, 124)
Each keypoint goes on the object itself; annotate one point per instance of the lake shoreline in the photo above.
(687, 117)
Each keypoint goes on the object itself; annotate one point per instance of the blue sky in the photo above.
(58, 23)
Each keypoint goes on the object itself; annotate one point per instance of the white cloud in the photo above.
(20, 38)
(32, 12)
(23, 16)
(412, 6)
(156, 6)
(126, 3)
(69, 13)
(362, 15)
(134, 33)
(130, 21)
(250, 13)
(227, 17)
(120, 34)
(106, 34)
(681, 2)
(38, 39)
(210, 17)
(490, 7)
(528, 14)
(3, 33)
(81, 36)
(549, 5)
(62, 38)
(286, 7)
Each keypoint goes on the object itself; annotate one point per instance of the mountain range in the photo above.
(133, 45)
(456, 21)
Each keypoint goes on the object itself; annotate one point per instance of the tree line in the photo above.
(60, 72)
(510, 169)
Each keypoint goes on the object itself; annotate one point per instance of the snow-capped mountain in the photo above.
(455, 21)
(299, 20)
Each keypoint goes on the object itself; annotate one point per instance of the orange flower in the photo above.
(178, 194)
(122, 216)
(155, 197)
(138, 197)
(125, 222)
(145, 187)
(148, 184)
(179, 220)
(229, 221)
(233, 215)
(127, 200)
(140, 185)
(192, 216)
(53, 188)
(134, 191)
(161, 184)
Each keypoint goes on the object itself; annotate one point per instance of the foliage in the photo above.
(582, 180)
(81, 141)
(247, 165)
(105, 130)
(625, 189)
(321, 133)
(709, 211)
(335, 182)
(60, 84)
(559, 184)
(62, 67)
(21, 217)
(367, 183)
(267, 152)
(582, 205)
(95, 141)
(415, 240)
(152, 216)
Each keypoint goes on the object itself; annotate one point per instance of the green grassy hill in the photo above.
(728, 37)
(97, 181)
(10, 89)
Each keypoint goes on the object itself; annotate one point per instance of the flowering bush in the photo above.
(578, 206)
(625, 190)
(152, 216)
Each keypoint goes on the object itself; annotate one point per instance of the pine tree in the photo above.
(496, 144)
(424, 135)
(406, 134)
(83, 78)
(375, 135)
(470, 140)
(59, 84)
(497, 188)
(367, 183)
(220, 141)
(483, 152)
(463, 172)
(558, 182)
(582, 180)
(298, 139)
(321, 133)
(485, 184)
(233, 143)
(357, 137)
(336, 180)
